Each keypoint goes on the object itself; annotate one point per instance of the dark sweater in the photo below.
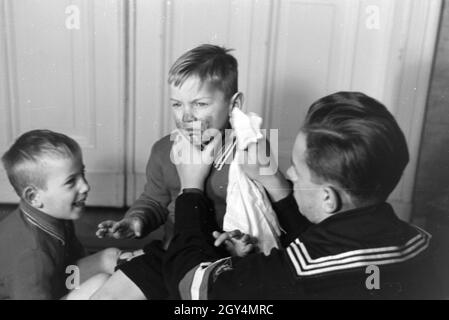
(35, 250)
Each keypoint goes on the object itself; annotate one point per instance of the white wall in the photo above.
(290, 53)
(67, 80)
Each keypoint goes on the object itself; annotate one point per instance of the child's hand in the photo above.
(237, 243)
(129, 227)
(192, 163)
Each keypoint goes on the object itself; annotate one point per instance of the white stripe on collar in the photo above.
(305, 265)
(36, 223)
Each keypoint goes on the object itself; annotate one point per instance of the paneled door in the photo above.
(62, 68)
(290, 53)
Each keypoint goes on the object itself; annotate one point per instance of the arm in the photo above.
(192, 242)
(149, 211)
(192, 261)
(192, 256)
(151, 206)
(290, 219)
(278, 188)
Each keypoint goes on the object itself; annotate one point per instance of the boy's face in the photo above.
(67, 188)
(197, 107)
(308, 195)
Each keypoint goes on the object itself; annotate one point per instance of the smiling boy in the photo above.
(37, 240)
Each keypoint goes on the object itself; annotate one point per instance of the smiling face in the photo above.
(66, 189)
(198, 106)
(307, 193)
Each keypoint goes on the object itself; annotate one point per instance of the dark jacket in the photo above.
(35, 250)
(359, 254)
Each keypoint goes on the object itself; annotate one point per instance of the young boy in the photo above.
(204, 89)
(37, 240)
(342, 239)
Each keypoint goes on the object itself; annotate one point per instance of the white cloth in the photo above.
(248, 208)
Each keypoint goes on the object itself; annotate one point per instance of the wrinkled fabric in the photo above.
(248, 208)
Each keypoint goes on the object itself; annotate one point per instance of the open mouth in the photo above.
(80, 203)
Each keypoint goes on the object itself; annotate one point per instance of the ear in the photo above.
(32, 196)
(237, 101)
(331, 200)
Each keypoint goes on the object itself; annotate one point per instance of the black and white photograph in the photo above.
(253, 150)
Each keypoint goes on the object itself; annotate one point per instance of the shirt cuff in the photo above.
(284, 204)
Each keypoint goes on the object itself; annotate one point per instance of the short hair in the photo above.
(354, 141)
(23, 159)
(209, 63)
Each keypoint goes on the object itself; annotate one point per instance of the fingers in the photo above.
(101, 233)
(106, 224)
(220, 238)
(235, 234)
(104, 228)
(137, 226)
(116, 226)
(236, 243)
(115, 229)
(183, 152)
(126, 228)
(246, 239)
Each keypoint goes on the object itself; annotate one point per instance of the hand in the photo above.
(237, 243)
(264, 169)
(102, 262)
(109, 259)
(192, 164)
(256, 163)
(129, 227)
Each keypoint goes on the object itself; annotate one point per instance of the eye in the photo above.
(70, 183)
(202, 104)
(175, 104)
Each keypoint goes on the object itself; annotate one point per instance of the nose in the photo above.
(187, 114)
(84, 185)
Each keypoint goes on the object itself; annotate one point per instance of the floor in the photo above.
(87, 225)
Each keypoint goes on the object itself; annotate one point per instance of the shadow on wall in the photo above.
(431, 194)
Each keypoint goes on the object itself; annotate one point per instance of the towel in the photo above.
(248, 208)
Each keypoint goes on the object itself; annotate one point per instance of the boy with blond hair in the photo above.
(37, 240)
(203, 92)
